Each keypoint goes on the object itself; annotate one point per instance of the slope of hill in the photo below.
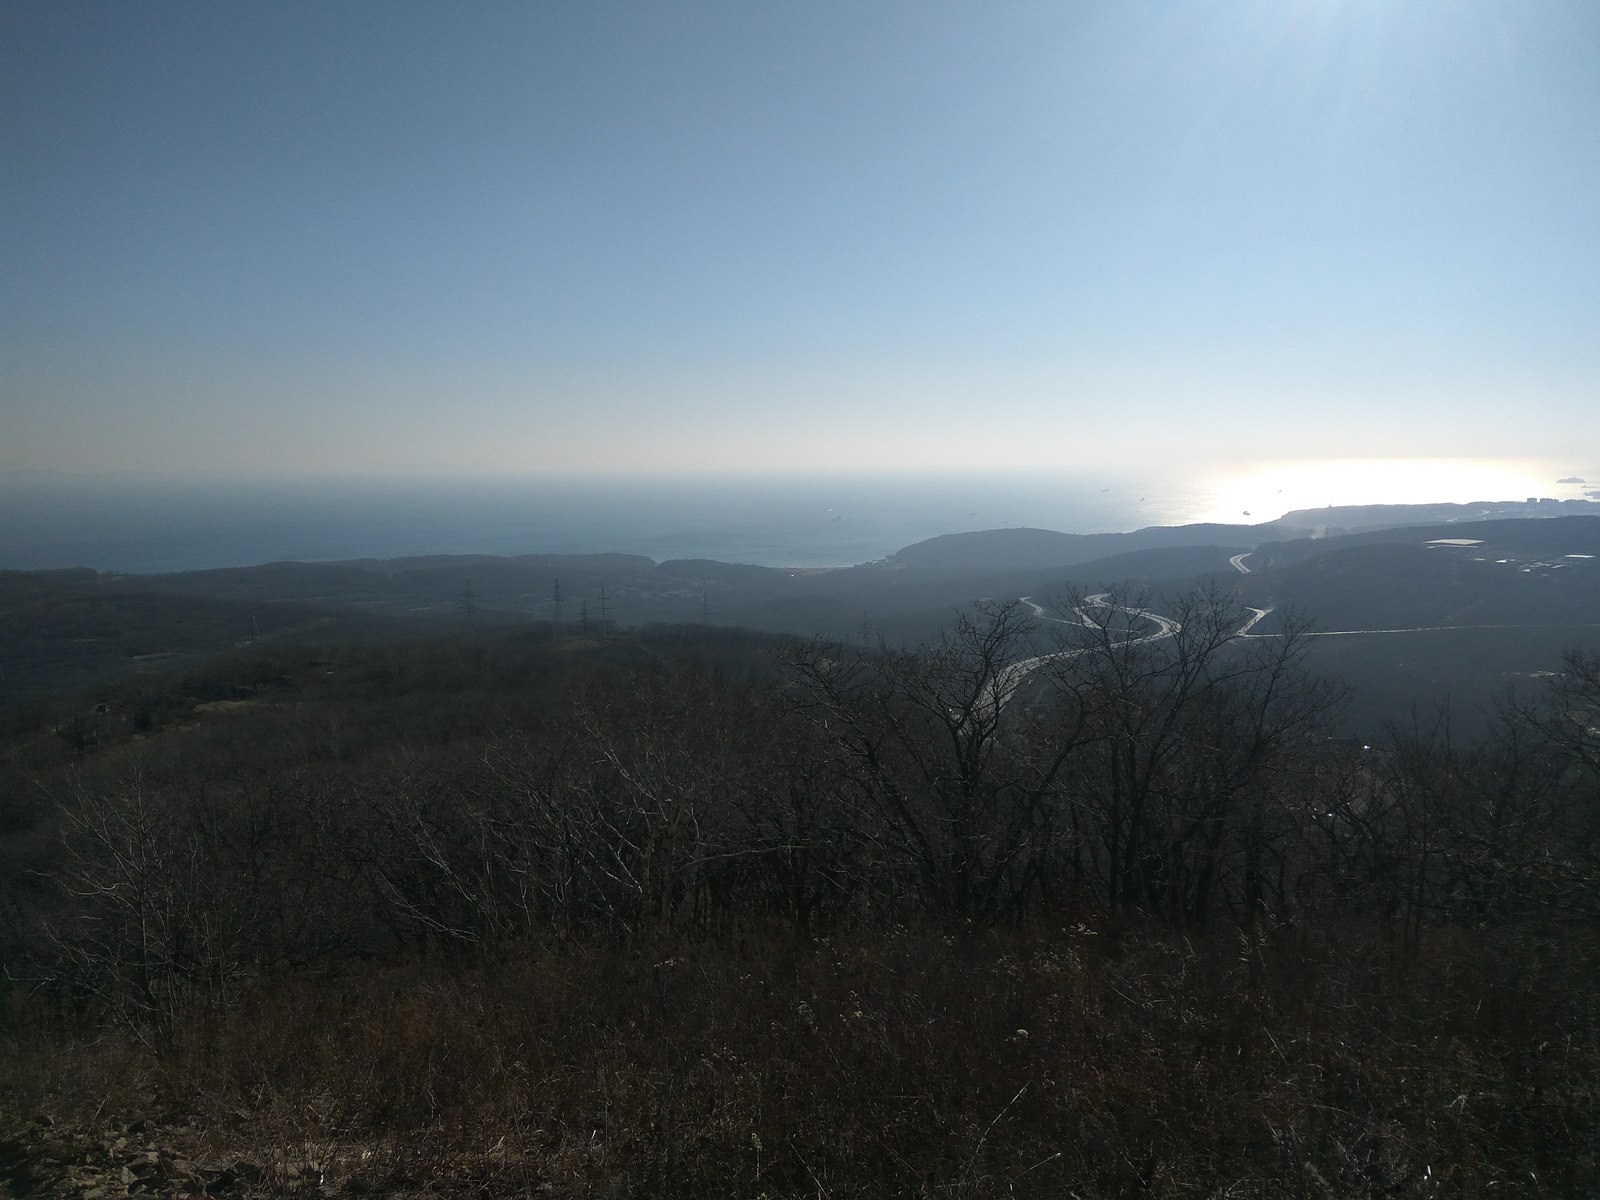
(61, 631)
(1023, 549)
(1495, 572)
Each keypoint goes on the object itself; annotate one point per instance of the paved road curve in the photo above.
(1011, 677)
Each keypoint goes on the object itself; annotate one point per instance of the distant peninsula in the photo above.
(1016, 549)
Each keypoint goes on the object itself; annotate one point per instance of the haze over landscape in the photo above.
(868, 599)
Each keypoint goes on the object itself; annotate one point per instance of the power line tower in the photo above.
(469, 600)
(705, 610)
(605, 612)
(555, 603)
(583, 613)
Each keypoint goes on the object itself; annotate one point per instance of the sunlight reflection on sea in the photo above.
(1263, 491)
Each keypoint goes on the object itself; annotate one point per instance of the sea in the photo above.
(146, 524)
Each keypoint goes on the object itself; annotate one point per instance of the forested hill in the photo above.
(686, 912)
(1017, 549)
(1526, 588)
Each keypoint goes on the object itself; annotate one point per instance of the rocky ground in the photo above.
(41, 1157)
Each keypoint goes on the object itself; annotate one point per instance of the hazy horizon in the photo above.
(133, 523)
(716, 237)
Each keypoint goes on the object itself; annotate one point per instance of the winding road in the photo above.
(1010, 677)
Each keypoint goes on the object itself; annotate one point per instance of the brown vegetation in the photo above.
(510, 914)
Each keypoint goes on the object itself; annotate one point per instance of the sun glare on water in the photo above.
(1265, 491)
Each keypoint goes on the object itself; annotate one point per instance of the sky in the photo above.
(314, 238)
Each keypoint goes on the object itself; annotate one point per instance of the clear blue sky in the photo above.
(335, 235)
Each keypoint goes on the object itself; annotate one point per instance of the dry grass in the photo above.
(1050, 1062)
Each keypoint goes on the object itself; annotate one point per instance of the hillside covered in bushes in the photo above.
(697, 912)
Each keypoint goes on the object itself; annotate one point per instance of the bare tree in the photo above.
(1179, 734)
(959, 781)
